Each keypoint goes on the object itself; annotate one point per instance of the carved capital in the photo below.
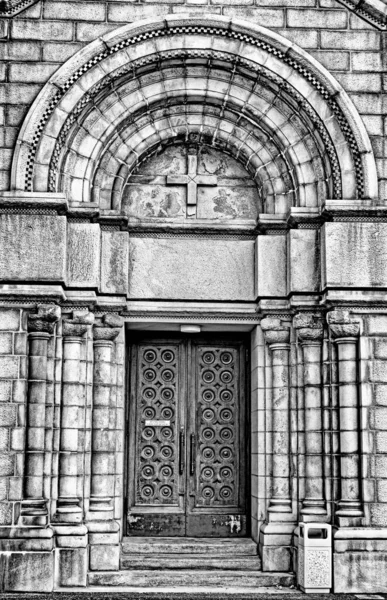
(105, 333)
(45, 319)
(309, 327)
(109, 328)
(274, 331)
(78, 325)
(342, 325)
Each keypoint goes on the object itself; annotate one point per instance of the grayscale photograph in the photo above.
(193, 299)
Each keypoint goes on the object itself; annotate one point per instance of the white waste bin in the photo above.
(314, 563)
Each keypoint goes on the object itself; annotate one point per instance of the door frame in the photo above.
(167, 334)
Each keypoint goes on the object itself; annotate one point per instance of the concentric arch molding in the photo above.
(113, 59)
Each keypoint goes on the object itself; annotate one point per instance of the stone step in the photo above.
(215, 546)
(195, 578)
(191, 561)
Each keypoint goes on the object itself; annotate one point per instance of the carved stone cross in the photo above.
(192, 180)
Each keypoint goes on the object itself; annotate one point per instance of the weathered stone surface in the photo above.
(191, 268)
(361, 572)
(114, 262)
(354, 255)
(9, 319)
(32, 247)
(72, 567)
(29, 571)
(104, 558)
(5, 513)
(83, 254)
(271, 266)
(304, 260)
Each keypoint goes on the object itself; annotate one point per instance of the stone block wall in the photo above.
(13, 374)
(35, 42)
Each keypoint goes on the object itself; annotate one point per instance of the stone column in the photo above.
(40, 328)
(72, 423)
(277, 337)
(71, 533)
(103, 429)
(310, 335)
(345, 333)
(103, 449)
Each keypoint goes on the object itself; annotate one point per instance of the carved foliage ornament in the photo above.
(309, 327)
(342, 325)
(109, 328)
(275, 331)
(45, 319)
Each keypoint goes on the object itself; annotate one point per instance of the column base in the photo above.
(275, 546)
(71, 556)
(68, 510)
(34, 513)
(280, 505)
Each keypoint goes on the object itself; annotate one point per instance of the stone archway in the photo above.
(244, 89)
(248, 94)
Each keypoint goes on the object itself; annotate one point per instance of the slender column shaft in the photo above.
(104, 418)
(71, 464)
(345, 332)
(36, 416)
(103, 436)
(277, 336)
(314, 498)
(349, 427)
(310, 335)
(41, 326)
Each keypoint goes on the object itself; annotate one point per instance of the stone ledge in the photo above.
(35, 201)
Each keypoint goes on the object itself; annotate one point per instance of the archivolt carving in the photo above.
(243, 89)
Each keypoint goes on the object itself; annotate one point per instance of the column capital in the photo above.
(309, 328)
(342, 325)
(275, 331)
(109, 329)
(78, 324)
(44, 320)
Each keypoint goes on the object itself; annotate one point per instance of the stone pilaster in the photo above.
(103, 447)
(310, 335)
(41, 327)
(345, 333)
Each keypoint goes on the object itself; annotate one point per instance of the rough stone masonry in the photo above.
(182, 168)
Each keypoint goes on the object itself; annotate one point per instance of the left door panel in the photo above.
(156, 432)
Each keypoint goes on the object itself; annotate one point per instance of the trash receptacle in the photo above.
(314, 564)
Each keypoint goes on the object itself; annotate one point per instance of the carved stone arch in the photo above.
(244, 88)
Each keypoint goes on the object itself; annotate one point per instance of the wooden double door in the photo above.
(188, 437)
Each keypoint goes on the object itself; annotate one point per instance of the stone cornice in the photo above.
(45, 319)
(342, 325)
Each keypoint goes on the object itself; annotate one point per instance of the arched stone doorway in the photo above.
(262, 149)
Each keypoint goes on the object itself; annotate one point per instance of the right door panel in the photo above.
(216, 503)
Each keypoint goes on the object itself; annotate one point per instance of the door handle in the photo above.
(181, 451)
(192, 454)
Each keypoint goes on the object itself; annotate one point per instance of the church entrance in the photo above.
(188, 437)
